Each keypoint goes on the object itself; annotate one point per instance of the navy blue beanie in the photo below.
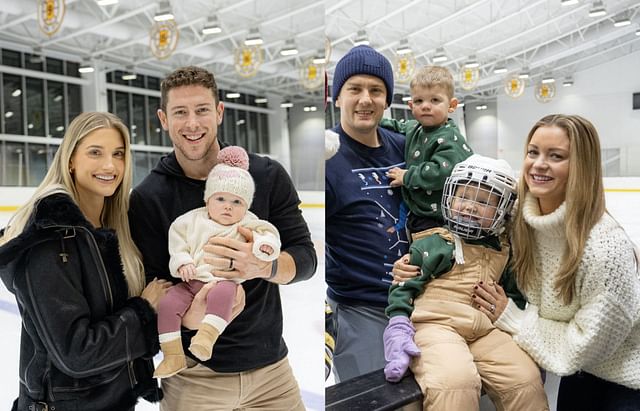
(363, 60)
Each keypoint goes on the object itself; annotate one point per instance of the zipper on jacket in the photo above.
(104, 277)
(132, 374)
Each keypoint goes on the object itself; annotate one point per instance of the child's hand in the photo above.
(267, 249)
(187, 272)
(395, 176)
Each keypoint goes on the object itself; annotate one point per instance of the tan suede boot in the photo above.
(202, 343)
(174, 360)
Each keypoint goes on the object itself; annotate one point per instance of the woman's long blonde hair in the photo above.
(584, 200)
(114, 213)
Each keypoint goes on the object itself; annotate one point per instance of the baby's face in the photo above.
(475, 205)
(226, 208)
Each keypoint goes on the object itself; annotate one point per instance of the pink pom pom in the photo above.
(234, 156)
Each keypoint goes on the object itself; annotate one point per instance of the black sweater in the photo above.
(254, 338)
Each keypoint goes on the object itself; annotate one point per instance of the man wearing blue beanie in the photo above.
(362, 211)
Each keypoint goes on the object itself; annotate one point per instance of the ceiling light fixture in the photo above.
(440, 56)
(404, 48)
(568, 2)
(232, 94)
(597, 9)
(524, 74)
(36, 57)
(548, 78)
(289, 48)
(253, 38)
(499, 69)
(621, 21)
(212, 26)
(106, 2)
(286, 104)
(481, 107)
(86, 67)
(637, 32)
(472, 62)
(406, 98)
(361, 39)
(260, 100)
(310, 108)
(16, 93)
(164, 12)
(568, 82)
(129, 74)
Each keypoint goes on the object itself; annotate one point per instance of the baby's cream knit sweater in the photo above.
(599, 331)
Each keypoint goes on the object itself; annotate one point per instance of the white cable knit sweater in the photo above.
(599, 331)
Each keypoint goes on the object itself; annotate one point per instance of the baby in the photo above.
(228, 194)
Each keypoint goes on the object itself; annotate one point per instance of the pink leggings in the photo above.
(173, 306)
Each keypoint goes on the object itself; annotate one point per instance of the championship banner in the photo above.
(514, 86)
(50, 15)
(469, 77)
(247, 60)
(163, 38)
(311, 74)
(545, 92)
(405, 67)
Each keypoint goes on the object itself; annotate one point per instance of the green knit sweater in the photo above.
(430, 154)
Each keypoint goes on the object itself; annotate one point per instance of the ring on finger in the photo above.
(231, 264)
(492, 308)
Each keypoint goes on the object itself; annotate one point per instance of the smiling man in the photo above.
(251, 347)
(363, 237)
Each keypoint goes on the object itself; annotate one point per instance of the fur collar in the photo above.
(52, 211)
(57, 210)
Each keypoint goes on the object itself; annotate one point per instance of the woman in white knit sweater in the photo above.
(576, 266)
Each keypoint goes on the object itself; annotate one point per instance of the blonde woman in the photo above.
(576, 267)
(67, 255)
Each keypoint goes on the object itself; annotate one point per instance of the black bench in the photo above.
(371, 392)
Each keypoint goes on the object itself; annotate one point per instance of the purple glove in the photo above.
(398, 347)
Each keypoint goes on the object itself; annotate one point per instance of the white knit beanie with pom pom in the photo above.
(230, 175)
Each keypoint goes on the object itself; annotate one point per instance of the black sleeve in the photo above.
(149, 233)
(285, 214)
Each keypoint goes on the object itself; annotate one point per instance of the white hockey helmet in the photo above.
(477, 174)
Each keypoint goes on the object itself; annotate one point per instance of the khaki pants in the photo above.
(462, 352)
(199, 388)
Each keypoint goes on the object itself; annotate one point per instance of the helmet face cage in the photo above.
(476, 201)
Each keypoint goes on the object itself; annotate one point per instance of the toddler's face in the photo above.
(226, 208)
(431, 105)
(475, 205)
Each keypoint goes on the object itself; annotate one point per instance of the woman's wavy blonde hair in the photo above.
(584, 200)
(114, 213)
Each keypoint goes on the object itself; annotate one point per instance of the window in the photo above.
(35, 107)
(154, 127)
(14, 164)
(74, 100)
(55, 66)
(55, 100)
(13, 98)
(122, 107)
(138, 127)
(36, 163)
(11, 58)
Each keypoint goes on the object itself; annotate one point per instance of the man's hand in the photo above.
(245, 265)
(194, 315)
(395, 176)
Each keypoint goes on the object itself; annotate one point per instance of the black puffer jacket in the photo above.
(85, 344)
